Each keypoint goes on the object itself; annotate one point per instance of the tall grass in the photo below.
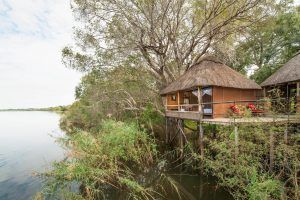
(110, 159)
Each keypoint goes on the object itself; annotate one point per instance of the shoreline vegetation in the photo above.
(53, 109)
(129, 158)
(129, 51)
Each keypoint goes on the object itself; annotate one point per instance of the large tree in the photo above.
(167, 37)
(269, 44)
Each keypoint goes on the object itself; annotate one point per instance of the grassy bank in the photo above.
(115, 158)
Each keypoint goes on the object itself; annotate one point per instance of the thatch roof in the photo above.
(210, 72)
(287, 73)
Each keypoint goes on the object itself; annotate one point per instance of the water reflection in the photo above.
(26, 147)
(194, 187)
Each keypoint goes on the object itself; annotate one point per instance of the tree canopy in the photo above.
(167, 37)
(269, 44)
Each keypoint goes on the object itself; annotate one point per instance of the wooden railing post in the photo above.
(178, 100)
(200, 99)
(166, 103)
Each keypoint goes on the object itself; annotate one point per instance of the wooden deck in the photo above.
(196, 116)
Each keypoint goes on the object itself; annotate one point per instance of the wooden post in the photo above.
(286, 134)
(288, 99)
(298, 98)
(167, 130)
(236, 142)
(181, 143)
(214, 133)
(271, 151)
(178, 100)
(200, 138)
(286, 143)
(166, 103)
(264, 91)
(200, 99)
(199, 124)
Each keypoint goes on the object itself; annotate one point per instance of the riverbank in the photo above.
(123, 161)
(54, 109)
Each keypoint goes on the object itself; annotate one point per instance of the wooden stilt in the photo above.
(200, 139)
(236, 142)
(298, 98)
(286, 134)
(181, 137)
(285, 142)
(167, 130)
(271, 151)
(213, 134)
(201, 189)
(288, 109)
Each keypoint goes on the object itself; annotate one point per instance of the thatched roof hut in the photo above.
(290, 72)
(210, 72)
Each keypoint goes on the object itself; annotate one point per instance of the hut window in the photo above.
(186, 99)
(173, 97)
(207, 91)
(207, 98)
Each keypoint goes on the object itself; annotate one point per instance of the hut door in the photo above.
(207, 100)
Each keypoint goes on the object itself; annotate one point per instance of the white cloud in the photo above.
(32, 34)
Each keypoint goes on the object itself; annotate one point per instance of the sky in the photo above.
(32, 35)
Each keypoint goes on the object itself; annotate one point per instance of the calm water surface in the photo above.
(27, 145)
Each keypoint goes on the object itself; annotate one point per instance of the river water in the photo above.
(27, 145)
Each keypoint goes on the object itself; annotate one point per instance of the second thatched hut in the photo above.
(285, 84)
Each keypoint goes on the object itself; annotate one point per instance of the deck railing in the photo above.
(282, 105)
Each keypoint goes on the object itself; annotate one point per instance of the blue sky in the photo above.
(32, 34)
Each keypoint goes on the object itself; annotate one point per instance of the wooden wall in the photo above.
(221, 94)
